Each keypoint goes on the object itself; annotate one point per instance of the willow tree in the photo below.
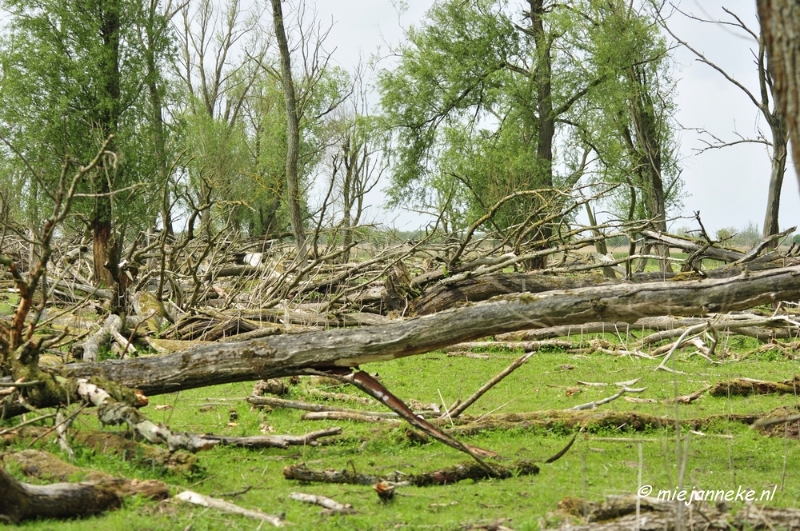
(72, 77)
(481, 92)
(629, 120)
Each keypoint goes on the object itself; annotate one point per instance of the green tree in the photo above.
(629, 119)
(263, 188)
(221, 48)
(480, 94)
(72, 76)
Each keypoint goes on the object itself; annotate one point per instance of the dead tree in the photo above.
(772, 112)
(317, 351)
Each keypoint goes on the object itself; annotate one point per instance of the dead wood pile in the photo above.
(221, 309)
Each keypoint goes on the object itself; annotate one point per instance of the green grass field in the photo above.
(723, 455)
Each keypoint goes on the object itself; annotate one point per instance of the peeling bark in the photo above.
(780, 29)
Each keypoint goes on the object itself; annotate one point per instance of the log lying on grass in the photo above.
(195, 498)
(646, 513)
(444, 476)
(20, 501)
(569, 421)
(278, 356)
(750, 386)
(763, 328)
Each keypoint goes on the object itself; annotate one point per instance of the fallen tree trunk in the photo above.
(763, 328)
(480, 288)
(286, 355)
(91, 349)
(707, 250)
(444, 476)
(22, 501)
(484, 287)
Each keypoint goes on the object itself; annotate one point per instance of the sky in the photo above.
(728, 187)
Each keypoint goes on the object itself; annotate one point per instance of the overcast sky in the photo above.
(728, 187)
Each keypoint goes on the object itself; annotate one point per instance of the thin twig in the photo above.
(491, 383)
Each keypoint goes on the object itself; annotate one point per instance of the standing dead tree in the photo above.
(772, 112)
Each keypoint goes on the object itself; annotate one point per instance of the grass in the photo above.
(726, 455)
(8, 303)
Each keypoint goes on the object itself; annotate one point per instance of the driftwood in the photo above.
(276, 441)
(691, 246)
(295, 354)
(749, 386)
(110, 328)
(330, 505)
(442, 476)
(195, 498)
(21, 501)
(318, 408)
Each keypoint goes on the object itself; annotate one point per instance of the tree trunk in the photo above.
(104, 248)
(154, 28)
(292, 129)
(285, 355)
(779, 141)
(484, 287)
(648, 157)
(546, 117)
(599, 245)
(21, 501)
(780, 29)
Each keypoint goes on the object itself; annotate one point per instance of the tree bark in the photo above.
(780, 29)
(292, 129)
(104, 248)
(22, 501)
(543, 74)
(643, 117)
(482, 288)
(778, 169)
(285, 355)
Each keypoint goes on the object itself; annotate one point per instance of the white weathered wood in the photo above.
(195, 498)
